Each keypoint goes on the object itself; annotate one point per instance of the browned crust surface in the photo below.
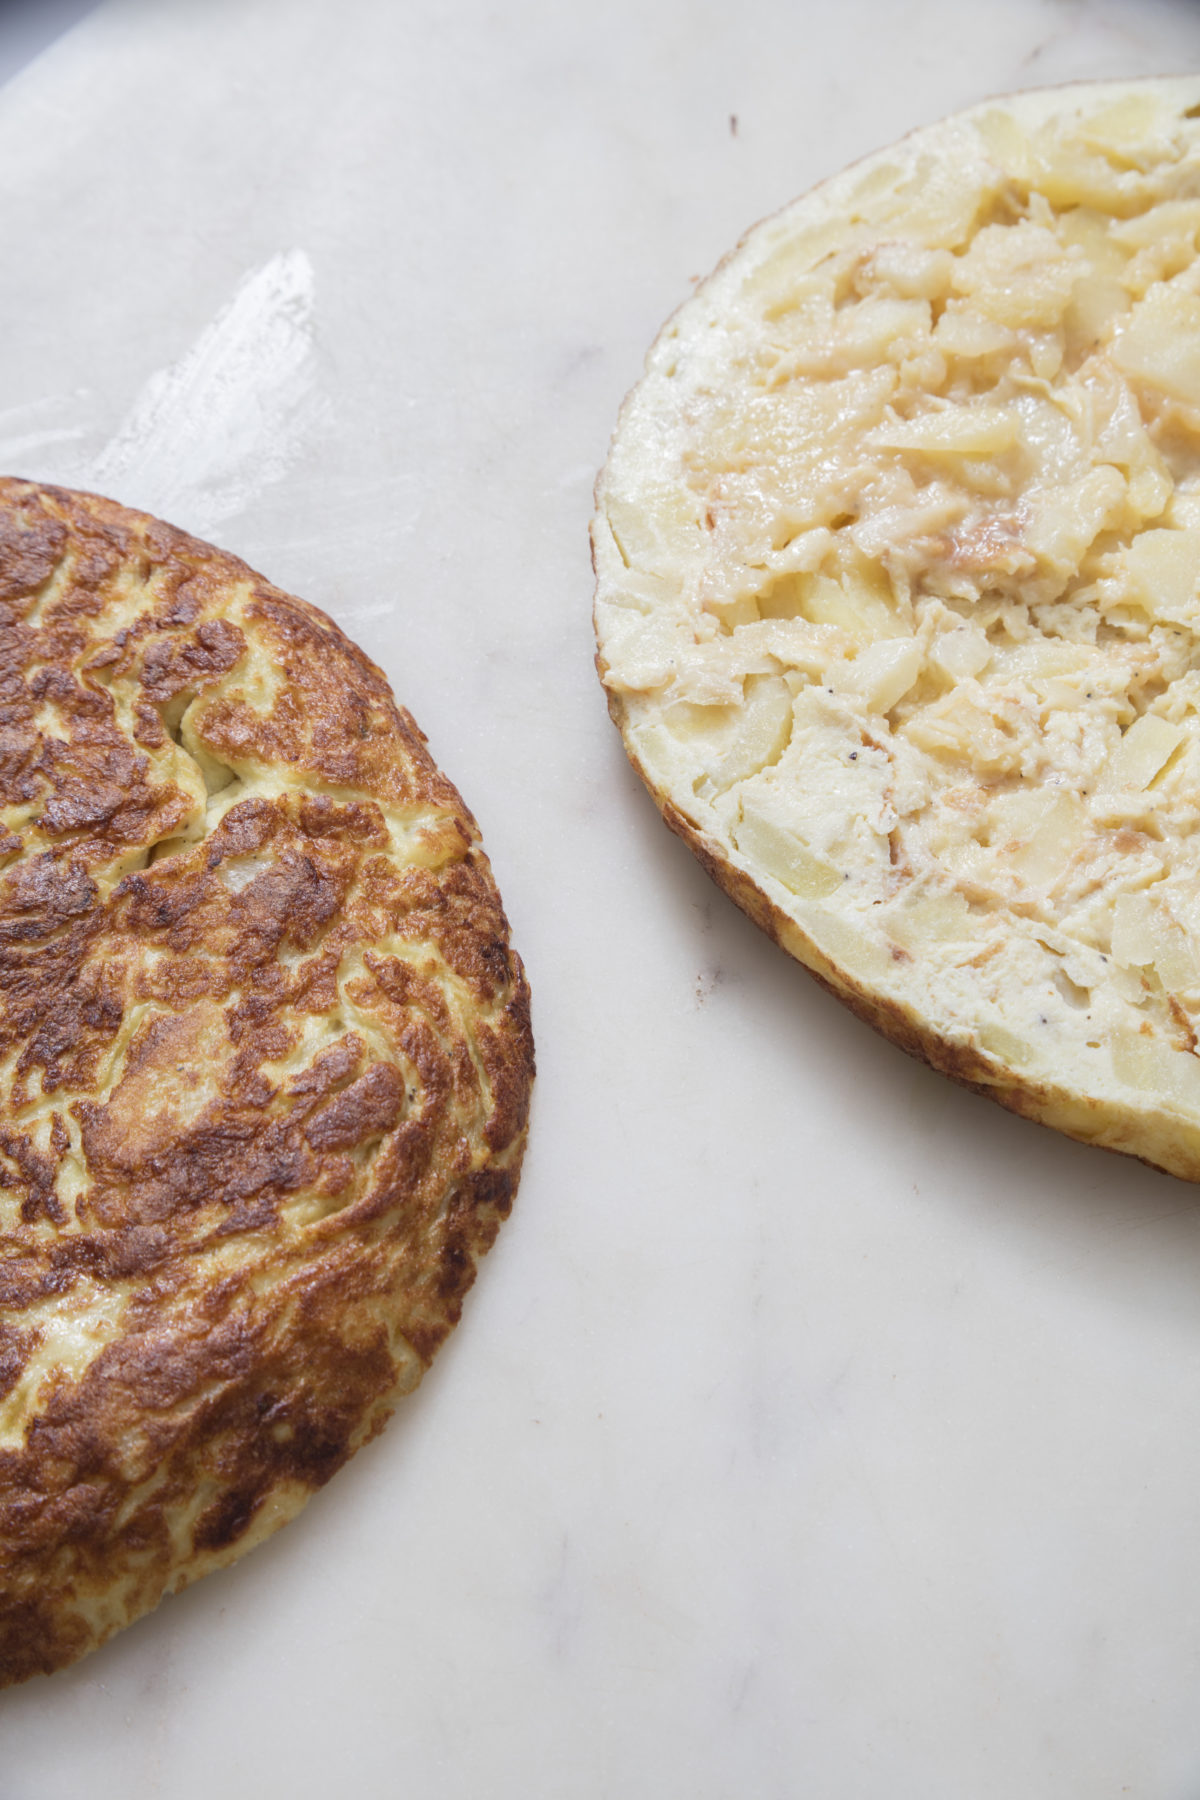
(265, 1053)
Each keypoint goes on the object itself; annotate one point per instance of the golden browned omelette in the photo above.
(898, 603)
(265, 1056)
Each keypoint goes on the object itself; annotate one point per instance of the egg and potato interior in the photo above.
(899, 587)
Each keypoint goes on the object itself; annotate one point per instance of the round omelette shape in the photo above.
(265, 1062)
(898, 602)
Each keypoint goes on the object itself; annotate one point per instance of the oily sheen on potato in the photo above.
(898, 603)
(264, 1062)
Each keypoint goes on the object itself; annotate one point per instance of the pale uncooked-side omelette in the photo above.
(898, 602)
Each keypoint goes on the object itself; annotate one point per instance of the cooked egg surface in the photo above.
(898, 605)
(264, 1062)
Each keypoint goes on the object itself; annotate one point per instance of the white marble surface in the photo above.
(815, 1431)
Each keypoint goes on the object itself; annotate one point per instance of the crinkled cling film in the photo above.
(898, 602)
